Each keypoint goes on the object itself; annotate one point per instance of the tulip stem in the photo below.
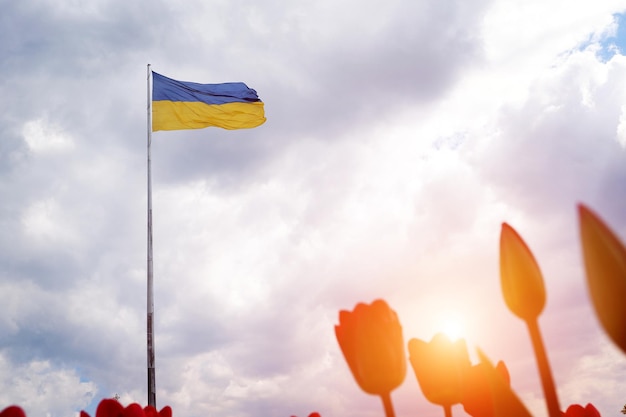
(388, 405)
(549, 391)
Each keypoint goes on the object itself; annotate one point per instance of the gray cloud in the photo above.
(262, 235)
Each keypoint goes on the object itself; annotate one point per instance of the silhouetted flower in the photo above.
(439, 367)
(521, 280)
(150, 411)
(371, 341)
(525, 295)
(12, 411)
(370, 338)
(505, 402)
(112, 408)
(605, 264)
(477, 394)
(576, 410)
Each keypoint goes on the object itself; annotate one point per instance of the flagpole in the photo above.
(150, 315)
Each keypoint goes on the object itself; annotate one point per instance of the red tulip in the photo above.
(439, 367)
(505, 402)
(370, 338)
(132, 410)
(112, 408)
(576, 410)
(107, 407)
(477, 395)
(150, 411)
(12, 411)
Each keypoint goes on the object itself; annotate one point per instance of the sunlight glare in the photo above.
(452, 326)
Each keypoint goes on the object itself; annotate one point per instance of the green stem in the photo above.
(549, 390)
(388, 405)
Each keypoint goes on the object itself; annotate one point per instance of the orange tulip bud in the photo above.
(520, 277)
(505, 402)
(439, 367)
(477, 395)
(605, 264)
(370, 338)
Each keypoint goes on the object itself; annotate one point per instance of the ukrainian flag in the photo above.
(180, 105)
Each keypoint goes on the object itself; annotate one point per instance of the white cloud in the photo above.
(621, 128)
(399, 137)
(46, 223)
(41, 136)
(594, 378)
(43, 389)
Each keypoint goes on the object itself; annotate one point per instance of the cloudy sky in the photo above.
(399, 136)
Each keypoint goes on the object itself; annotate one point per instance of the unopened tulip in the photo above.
(150, 411)
(505, 402)
(605, 264)
(576, 410)
(370, 338)
(439, 367)
(12, 411)
(371, 341)
(522, 283)
(112, 408)
(525, 295)
(478, 396)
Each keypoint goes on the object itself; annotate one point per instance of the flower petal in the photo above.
(133, 410)
(150, 411)
(109, 408)
(577, 410)
(166, 411)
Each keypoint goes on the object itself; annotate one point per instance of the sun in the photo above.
(452, 325)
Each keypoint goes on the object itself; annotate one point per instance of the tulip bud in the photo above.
(370, 338)
(520, 277)
(12, 411)
(505, 402)
(576, 410)
(478, 396)
(439, 367)
(605, 264)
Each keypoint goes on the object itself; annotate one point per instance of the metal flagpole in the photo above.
(150, 321)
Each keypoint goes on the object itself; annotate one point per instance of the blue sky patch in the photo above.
(615, 44)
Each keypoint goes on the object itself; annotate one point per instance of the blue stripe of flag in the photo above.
(164, 88)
